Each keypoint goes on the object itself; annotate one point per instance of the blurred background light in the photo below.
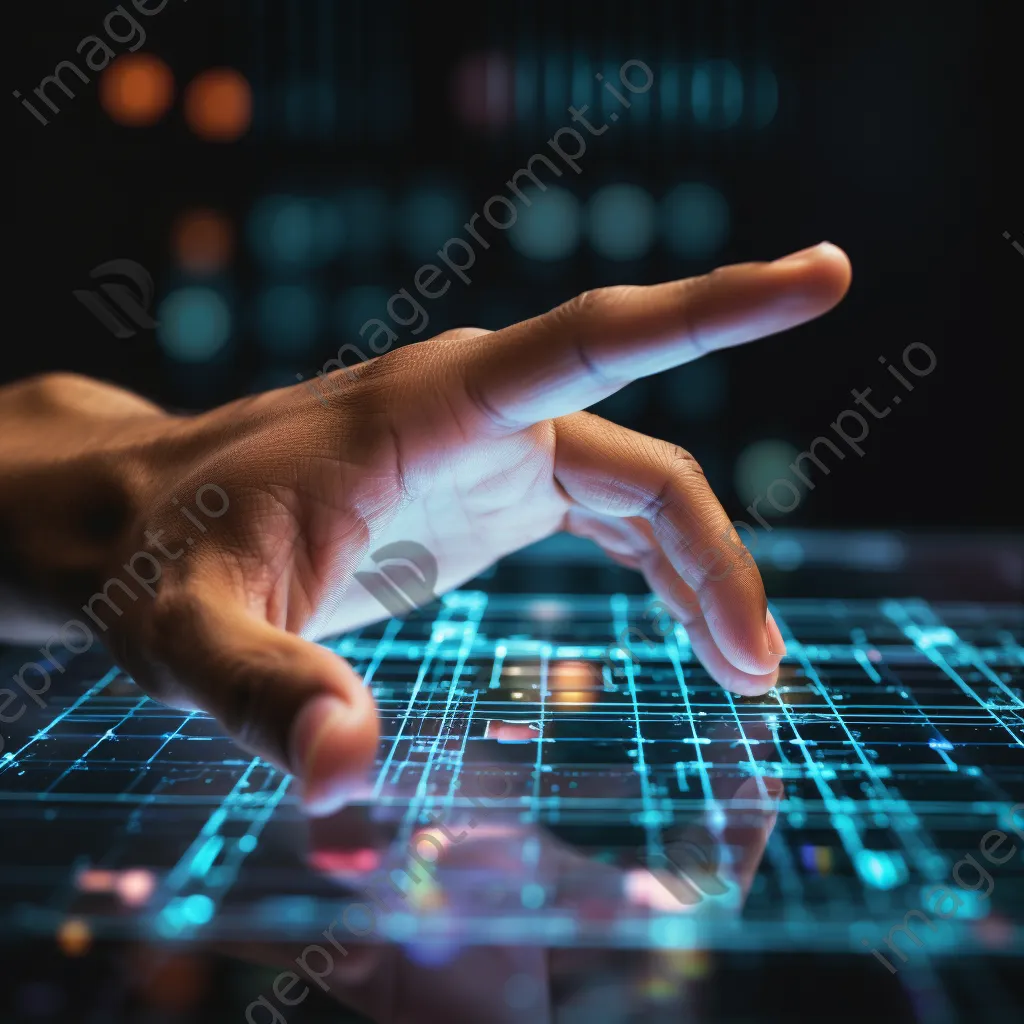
(695, 220)
(366, 215)
(427, 217)
(218, 105)
(716, 93)
(203, 240)
(786, 554)
(620, 221)
(136, 89)
(483, 90)
(194, 324)
(291, 232)
(357, 305)
(766, 96)
(549, 228)
(763, 473)
(287, 319)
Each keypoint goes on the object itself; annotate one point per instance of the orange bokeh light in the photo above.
(203, 240)
(218, 105)
(74, 937)
(137, 89)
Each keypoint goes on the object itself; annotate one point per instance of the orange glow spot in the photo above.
(137, 89)
(203, 241)
(574, 682)
(218, 105)
(74, 937)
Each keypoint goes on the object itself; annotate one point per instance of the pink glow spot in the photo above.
(510, 732)
(483, 90)
(346, 861)
(135, 886)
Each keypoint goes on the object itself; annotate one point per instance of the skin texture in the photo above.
(471, 444)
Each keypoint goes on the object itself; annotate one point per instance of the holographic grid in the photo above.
(897, 730)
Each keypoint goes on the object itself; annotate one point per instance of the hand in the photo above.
(470, 444)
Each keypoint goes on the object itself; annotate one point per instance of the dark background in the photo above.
(893, 136)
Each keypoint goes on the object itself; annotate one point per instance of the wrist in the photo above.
(76, 466)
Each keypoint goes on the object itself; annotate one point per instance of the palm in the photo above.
(464, 447)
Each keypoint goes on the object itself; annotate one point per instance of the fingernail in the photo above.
(776, 645)
(317, 732)
(802, 254)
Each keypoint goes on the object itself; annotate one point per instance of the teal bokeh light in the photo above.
(547, 229)
(695, 220)
(287, 319)
(427, 218)
(194, 324)
(620, 221)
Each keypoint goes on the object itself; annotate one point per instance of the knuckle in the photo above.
(597, 302)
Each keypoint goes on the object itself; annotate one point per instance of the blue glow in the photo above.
(695, 220)
(881, 869)
(556, 101)
(716, 93)
(328, 228)
(669, 92)
(194, 324)
(428, 217)
(583, 81)
(247, 843)
(357, 305)
(549, 228)
(620, 221)
(760, 467)
(197, 909)
(787, 554)
(366, 214)
(958, 903)
(281, 230)
(287, 319)
(766, 97)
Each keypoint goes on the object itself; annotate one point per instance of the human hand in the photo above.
(470, 444)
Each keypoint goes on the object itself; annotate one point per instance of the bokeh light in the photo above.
(355, 306)
(292, 232)
(136, 89)
(548, 228)
(427, 218)
(288, 319)
(716, 93)
(194, 324)
(74, 937)
(620, 221)
(766, 96)
(366, 212)
(203, 241)
(695, 220)
(218, 105)
(763, 474)
(483, 90)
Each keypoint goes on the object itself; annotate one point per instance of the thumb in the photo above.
(290, 701)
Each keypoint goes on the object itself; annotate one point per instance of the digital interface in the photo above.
(892, 744)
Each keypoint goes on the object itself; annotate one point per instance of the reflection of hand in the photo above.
(442, 980)
(469, 445)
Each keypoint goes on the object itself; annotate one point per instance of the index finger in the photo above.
(595, 344)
